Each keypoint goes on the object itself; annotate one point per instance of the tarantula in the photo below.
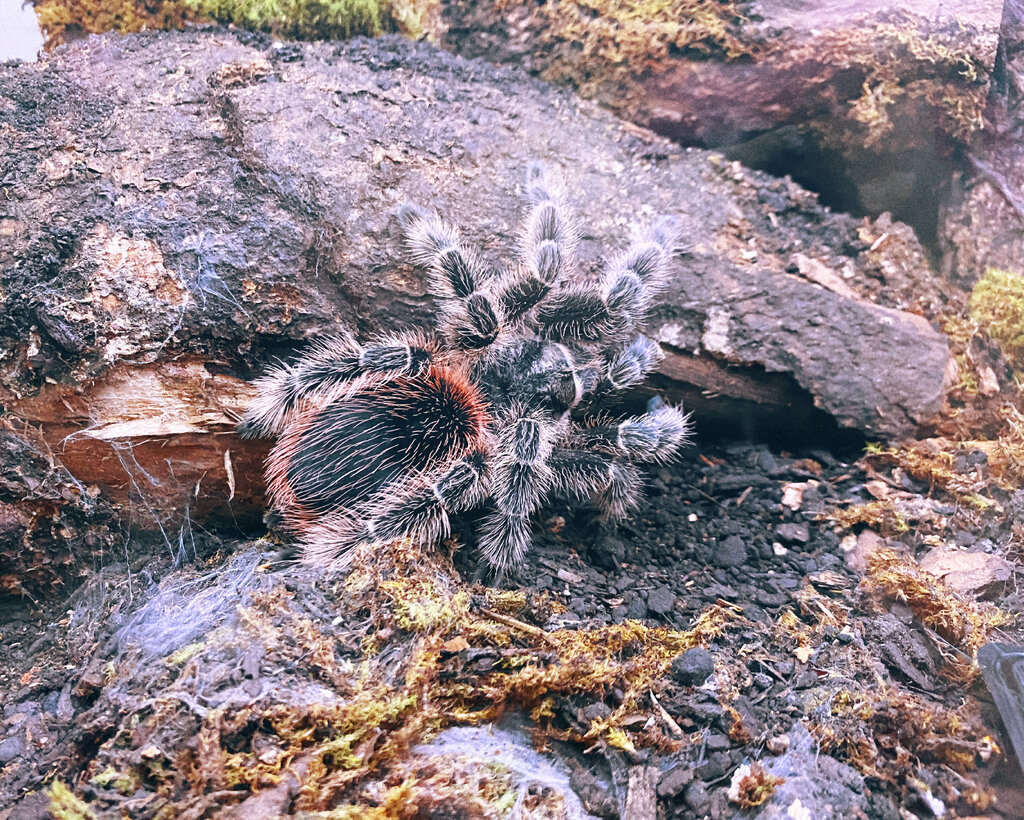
(387, 440)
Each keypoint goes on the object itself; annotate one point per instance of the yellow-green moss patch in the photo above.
(298, 19)
(64, 805)
(60, 20)
(997, 305)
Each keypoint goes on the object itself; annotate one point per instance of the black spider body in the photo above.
(534, 374)
(389, 439)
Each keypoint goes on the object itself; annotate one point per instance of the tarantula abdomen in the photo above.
(353, 452)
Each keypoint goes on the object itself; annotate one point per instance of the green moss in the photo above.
(421, 605)
(880, 515)
(58, 18)
(294, 19)
(624, 30)
(298, 19)
(610, 40)
(64, 805)
(997, 305)
(184, 655)
(908, 63)
(110, 778)
(413, 17)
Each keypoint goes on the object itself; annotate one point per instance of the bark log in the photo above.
(866, 102)
(179, 209)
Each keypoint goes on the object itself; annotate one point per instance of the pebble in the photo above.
(582, 606)
(730, 552)
(772, 599)
(720, 575)
(713, 592)
(661, 600)
(607, 553)
(718, 742)
(793, 533)
(785, 668)
(963, 538)
(753, 612)
(709, 711)
(50, 701)
(674, 781)
(11, 748)
(768, 463)
(697, 797)
(806, 680)
(976, 457)
(714, 767)
(636, 609)
(597, 711)
(693, 667)
(813, 497)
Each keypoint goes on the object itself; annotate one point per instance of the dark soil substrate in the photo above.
(713, 530)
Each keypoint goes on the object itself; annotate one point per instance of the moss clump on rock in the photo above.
(298, 19)
(65, 805)
(906, 59)
(997, 305)
(606, 41)
(627, 31)
(62, 20)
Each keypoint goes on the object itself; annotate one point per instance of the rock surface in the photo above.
(181, 208)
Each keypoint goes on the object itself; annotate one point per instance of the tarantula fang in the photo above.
(390, 439)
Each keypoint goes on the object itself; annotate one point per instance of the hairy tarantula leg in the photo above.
(647, 258)
(522, 478)
(622, 493)
(333, 363)
(437, 246)
(548, 239)
(614, 485)
(630, 365)
(418, 511)
(578, 313)
(613, 310)
(504, 540)
(422, 514)
(655, 436)
(578, 474)
(469, 317)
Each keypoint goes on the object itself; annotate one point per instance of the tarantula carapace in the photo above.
(387, 440)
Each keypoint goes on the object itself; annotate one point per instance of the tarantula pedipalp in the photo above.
(387, 440)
